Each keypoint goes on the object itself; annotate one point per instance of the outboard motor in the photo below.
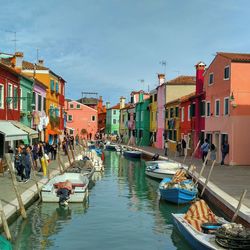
(155, 157)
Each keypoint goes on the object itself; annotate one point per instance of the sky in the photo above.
(110, 46)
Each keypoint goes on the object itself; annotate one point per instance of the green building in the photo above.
(112, 120)
(142, 124)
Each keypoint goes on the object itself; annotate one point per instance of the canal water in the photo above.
(123, 211)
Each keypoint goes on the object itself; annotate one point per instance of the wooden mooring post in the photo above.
(60, 164)
(67, 150)
(202, 169)
(15, 185)
(72, 152)
(239, 205)
(4, 222)
(207, 180)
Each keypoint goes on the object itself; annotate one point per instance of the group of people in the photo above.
(206, 147)
(180, 147)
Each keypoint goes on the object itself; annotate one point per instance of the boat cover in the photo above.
(198, 214)
(179, 176)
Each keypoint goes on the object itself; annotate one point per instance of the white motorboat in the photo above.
(79, 183)
(161, 169)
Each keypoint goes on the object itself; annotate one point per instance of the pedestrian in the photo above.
(204, 149)
(213, 152)
(178, 148)
(27, 163)
(166, 147)
(20, 164)
(54, 151)
(183, 146)
(77, 139)
(224, 151)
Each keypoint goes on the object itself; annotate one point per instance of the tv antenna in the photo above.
(13, 40)
(142, 83)
(164, 65)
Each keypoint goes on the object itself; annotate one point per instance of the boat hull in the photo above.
(110, 147)
(132, 154)
(197, 240)
(158, 175)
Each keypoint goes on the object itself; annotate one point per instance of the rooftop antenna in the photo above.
(142, 83)
(164, 65)
(13, 40)
(37, 54)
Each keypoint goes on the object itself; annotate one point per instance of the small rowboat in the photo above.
(132, 154)
(79, 183)
(111, 147)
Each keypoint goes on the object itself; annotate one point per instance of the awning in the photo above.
(12, 133)
(31, 132)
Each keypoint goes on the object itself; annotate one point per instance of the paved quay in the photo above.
(225, 186)
(28, 190)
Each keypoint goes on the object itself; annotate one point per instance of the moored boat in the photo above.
(191, 226)
(79, 184)
(132, 154)
(5, 244)
(161, 169)
(110, 147)
(178, 189)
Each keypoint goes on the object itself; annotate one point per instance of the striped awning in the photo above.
(31, 132)
(11, 132)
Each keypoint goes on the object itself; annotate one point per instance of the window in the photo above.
(151, 99)
(155, 97)
(140, 133)
(171, 112)
(29, 101)
(70, 118)
(175, 136)
(211, 78)
(166, 114)
(132, 99)
(93, 118)
(39, 102)
(57, 88)
(21, 99)
(182, 114)
(52, 85)
(71, 131)
(226, 106)
(217, 107)
(114, 112)
(189, 112)
(226, 73)
(33, 99)
(15, 100)
(71, 105)
(176, 111)
(202, 108)
(78, 106)
(57, 113)
(10, 95)
(208, 113)
(192, 110)
(1, 96)
(170, 134)
(44, 104)
(114, 121)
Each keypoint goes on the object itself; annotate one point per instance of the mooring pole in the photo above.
(61, 167)
(72, 152)
(206, 182)
(202, 169)
(4, 222)
(239, 205)
(15, 185)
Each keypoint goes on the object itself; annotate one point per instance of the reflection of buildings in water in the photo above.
(178, 241)
(97, 176)
(44, 220)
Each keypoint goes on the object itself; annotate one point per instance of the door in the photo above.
(217, 145)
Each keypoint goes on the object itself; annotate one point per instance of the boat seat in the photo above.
(74, 185)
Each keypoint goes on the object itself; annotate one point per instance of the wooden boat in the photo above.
(192, 224)
(110, 147)
(161, 169)
(79, 183)
(179, 193)
(132, 154)
(5, 244)
(84, 167)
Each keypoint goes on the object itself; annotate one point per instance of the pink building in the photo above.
(81, 119)
(227, 89)
(161, 101)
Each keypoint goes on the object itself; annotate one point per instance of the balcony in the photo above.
(61, 100)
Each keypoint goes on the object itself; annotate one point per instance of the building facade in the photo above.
(153, 117)
(112, 120)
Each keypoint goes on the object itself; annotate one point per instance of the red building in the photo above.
(9, 94)
(198, 120)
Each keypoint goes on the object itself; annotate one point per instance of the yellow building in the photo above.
(54, 97)
(173, 123)
(153, 116)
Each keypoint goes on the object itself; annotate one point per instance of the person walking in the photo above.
(224, 151)
(27, 163)
(212, 152)
(166, 147)
(77, 139)
(183, 146)
(204, 149)
(20, 164)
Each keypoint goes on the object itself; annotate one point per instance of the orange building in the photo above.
(101, 110)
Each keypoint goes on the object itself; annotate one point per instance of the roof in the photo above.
(181, 99)
(88, 101)
(117, 106)
(182, 80)
(235, 57)
(31, 66)
(2, 65)
(127, 106)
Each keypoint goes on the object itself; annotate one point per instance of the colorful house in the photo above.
(81, 119)
(142, 122)
(112, 119)
(153, 116)
(101, 110)
(124, 120)
(161, 101)
(226, 82)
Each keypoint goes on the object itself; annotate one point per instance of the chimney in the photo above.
(107, 105)
(200, 68)
(40, 62)
(18, 64)
(122, 102)
(161, 78)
